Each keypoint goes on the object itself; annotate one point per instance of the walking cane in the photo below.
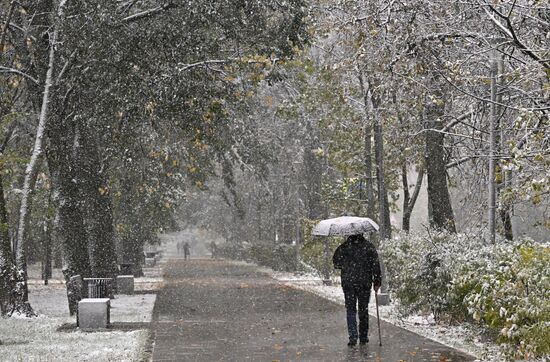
(378, 317)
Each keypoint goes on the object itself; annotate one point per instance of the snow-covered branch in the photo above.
(185, 67)
(18, 72)
(148, 13)
(509, 31)
(7, 24)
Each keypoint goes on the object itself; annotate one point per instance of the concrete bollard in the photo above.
(383, 299)
(94, 313)
(125, 284)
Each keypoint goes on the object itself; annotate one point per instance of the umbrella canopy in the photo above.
(344, 225)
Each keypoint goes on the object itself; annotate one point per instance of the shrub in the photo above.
(503, 287)
(510, 297)
(420, 269)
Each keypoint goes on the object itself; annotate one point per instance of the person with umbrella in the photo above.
(360, 269)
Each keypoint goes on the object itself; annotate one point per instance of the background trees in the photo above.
(216, 114)
(113, 71)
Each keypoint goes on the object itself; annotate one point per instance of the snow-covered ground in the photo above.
(463, 337)
(41, 339)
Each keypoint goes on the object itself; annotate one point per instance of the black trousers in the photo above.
(354, 296)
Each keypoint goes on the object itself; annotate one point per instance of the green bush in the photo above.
(503, 287)
(510, 296)
(420, 269)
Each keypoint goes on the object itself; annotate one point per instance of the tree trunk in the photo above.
(438, 192)
(410, 200)
(314, 172)
(505, 209)
(7, 265)
(132, 251)
(368, 152)
(47, 252)
(406, 198)
(70, 229)
(96, 206)
(383, 204)
(491, 182)
(31, 173)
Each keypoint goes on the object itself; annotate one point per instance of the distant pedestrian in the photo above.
(186, 251)
(358, 260)
(179, 246)
(214, 249)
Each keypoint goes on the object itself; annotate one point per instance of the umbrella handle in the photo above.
(378, 318)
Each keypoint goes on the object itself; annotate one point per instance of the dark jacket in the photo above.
(358, 260)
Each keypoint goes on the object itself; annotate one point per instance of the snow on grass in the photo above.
(38, 339)
(462, 337)
(133, 308)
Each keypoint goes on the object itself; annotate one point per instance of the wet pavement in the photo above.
(217, 310)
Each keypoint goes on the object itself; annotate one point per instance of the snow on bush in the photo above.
(503, 287)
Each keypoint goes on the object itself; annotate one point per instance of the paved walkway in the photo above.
(216, 310)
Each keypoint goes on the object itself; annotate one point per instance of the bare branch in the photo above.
(447, 133)
(65, 66)
(7, 136)
(417, 187)
(204, 63)
(509, 31)
(460, 161)
(18, 72)
(5, 28)
(148, 13)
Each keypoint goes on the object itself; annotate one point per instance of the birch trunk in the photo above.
(31, 172)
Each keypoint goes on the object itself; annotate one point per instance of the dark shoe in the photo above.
(363, 341)
(352, 342)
